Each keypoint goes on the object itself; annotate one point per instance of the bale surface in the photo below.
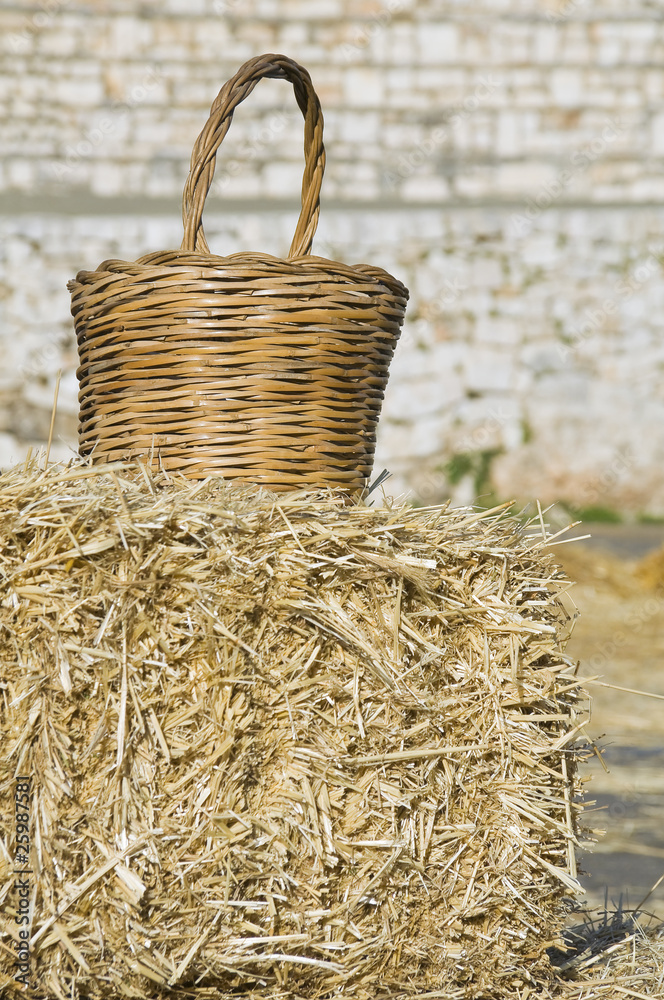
(280, 745)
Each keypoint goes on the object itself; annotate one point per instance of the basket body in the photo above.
(249, 366)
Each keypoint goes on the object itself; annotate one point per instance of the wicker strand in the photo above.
(204, 153)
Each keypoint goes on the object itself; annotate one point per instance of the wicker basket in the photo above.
(248, 366)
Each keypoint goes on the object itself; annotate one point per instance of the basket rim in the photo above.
(307, 266)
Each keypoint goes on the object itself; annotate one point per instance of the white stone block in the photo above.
(364, 87)
(401, 46)
(87, 91)
(282, 180)
(323, 10)
(425, 438)
(511, 41)
(11, 451)
(474, 182)
(646, 189)
(645, 32)
(212, 33)
(497, 426)
(426, 188)
(546, 43)
(450, 357)
(657, 133)
(486, 272)
(568, 87)
(21, 174)
(250, 184)
(106, 179)
(577, 51)
(609, 51)
(509, 133)
(361, 127)
(189, 7)
(437, 42)
(410, 361)
(489, 371)
(410, 401)
(400, 80)
(526, 178)
(192, 94)
(496, 330)
(60, 39)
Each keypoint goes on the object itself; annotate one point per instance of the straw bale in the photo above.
(281, 745)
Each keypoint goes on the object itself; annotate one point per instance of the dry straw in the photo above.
(250, 366)
(281, 742)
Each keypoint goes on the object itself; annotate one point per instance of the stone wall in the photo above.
(504, 159)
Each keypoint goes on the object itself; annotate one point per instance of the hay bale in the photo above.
(280, 745)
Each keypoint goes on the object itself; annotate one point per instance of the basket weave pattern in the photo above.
(249, 366)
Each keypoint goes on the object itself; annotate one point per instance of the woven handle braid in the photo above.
(205, 149)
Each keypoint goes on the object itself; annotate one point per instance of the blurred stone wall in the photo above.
(503, 158)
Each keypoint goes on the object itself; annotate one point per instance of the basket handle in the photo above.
(204, 153)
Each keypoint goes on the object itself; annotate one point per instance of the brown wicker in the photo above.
(248, 366)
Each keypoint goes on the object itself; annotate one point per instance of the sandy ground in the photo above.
(619, 638)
